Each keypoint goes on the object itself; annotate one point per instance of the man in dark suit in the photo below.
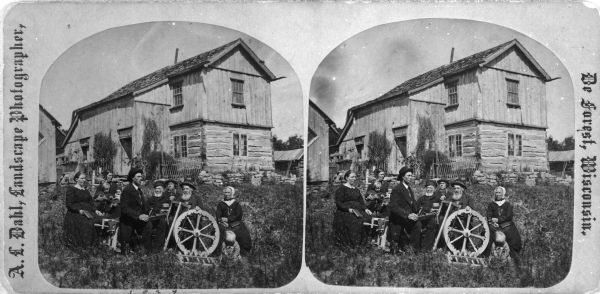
(404, 211)
(134, 212)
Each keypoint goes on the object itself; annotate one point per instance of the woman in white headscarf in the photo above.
(500, 216)
(229, 215)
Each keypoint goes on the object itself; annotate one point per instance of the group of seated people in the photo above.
(144, 218)
(415, 221)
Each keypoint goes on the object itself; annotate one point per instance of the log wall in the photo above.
(494, 148)
(219, 148)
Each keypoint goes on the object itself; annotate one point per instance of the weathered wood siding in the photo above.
(494, 148)
(257, 93)
(532, 92)
(384, 116)
(468, 90)
(150, 111)
(194, 97)
(47, 150)
(219, 148)
(106, 118)
(435, 114)
(318, 151)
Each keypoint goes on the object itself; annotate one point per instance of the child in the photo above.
(230, 252)
(102, 197)
(500, 254)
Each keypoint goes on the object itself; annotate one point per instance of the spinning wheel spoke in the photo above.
(191, 224)
(186, 230)
(454, 230)
(197, 222)
(203, 245)
(464, 246)
(182, 241)
(478, 236)
(194, 246)
(468, 220)
(205, 227)
(457, 238)
(460, 222)
(475, 227)
(472, 244)
(208, 236)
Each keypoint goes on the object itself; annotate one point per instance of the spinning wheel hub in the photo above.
(466, 232)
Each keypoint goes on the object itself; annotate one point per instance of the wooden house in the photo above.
(489, 108)
(50, 137)
(320, 129)
(289, 161)
(211, 111)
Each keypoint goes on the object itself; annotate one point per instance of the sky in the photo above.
(95, 67)
(376, 60)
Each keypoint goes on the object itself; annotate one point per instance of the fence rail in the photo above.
(462, 167)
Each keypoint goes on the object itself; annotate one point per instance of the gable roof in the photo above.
(328, 120)
(437, 75)
(201, 60)
(288, 155)
(52, 119)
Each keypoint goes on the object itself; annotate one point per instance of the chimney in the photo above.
(177, 54)
(452, 55)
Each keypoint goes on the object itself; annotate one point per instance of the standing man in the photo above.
(134, 212)
(404, 211)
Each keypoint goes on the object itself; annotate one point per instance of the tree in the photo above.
(293, 142)
(105, 149)
(379, 150)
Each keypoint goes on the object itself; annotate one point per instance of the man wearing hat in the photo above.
(134, 212)
(404, 211)
(459, 197)
(188, 198)
(442, 190)
(158, 203)
(426, 203)
(171, 191)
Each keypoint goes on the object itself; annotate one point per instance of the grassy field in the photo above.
(273, 214)
(543, 214)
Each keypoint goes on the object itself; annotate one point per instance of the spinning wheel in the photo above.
(196, 233)
(466, 232)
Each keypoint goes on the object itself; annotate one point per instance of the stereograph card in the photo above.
(303, 147)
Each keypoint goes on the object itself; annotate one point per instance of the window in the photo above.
(513, 92)
(515, 145)
(85, 147)
(452, 94)
(240, 144)
(455, 146)
(177, 94)
(237, 92)
(360, 145)
(180, 146)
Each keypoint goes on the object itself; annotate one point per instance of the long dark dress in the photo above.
(504, 214)
(79, 231)
(234, 214)
(347, 227)
(430, 227)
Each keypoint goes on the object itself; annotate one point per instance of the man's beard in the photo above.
(429, 194)
(456, 196)
(185, 196)
(157, 195)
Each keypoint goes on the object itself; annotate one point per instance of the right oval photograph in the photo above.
(440, 153)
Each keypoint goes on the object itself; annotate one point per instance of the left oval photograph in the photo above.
(170, 158)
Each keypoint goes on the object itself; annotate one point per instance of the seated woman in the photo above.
(500, 214)
(350, 213)
(229, 215)
(79, 220)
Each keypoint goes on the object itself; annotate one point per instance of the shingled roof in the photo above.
(438, 74)
(453, 68)
(177, 69)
